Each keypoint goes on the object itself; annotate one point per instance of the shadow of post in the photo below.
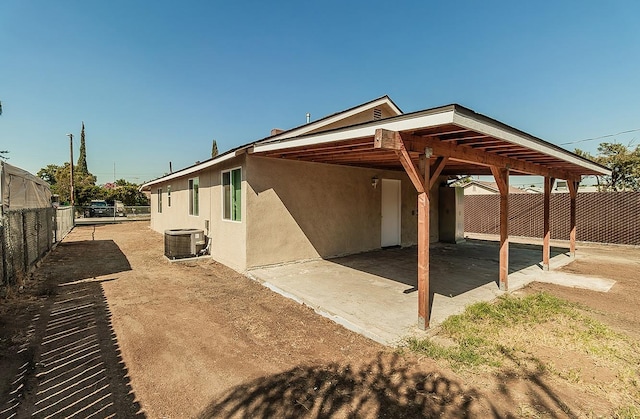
(73, 366)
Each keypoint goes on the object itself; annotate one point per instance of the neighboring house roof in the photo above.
(466, 137)
(489, 186)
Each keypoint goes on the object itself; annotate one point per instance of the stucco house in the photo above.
(361, 179)
(260, 211)
(481, 187)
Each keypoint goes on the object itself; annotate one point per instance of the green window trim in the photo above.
(232, 195)
(194, 196)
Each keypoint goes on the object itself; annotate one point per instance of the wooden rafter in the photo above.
(385, 139)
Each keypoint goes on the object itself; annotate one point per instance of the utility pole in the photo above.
(71, 169)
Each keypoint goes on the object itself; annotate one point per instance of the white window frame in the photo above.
(194, 198)
(230, 171)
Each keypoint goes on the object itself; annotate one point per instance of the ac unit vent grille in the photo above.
(183, 243)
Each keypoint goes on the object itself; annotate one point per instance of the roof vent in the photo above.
(377, 114)
(276, 131)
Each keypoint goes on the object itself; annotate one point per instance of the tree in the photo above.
(214, 149)
(82, 159)
(58, 178)
(2, 155)
(48, 174)
(624, 162)
(126, 192)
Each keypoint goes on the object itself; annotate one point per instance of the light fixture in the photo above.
(374, 181)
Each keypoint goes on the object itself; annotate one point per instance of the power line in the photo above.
(599, 138)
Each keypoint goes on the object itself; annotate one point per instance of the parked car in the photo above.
(98, 208)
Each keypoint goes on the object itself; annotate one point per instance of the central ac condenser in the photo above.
(183, 242)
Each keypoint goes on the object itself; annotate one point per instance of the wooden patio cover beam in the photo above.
(385, 139)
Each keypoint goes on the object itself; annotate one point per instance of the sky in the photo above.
(156, 81)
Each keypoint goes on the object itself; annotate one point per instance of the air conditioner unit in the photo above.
(183, 243)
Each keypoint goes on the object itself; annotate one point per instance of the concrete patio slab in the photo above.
(375, 293)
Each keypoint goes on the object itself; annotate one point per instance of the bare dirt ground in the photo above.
(108, 327)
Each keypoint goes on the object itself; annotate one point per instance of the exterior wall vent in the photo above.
(377, 114)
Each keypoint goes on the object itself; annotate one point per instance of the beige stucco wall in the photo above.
(301, 210)
(290, 211)
(228, 237)
(478, 190)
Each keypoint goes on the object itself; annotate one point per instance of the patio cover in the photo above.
(471, 141)
(449, 140)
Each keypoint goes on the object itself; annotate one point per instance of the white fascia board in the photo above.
(519, 139)
(417, 122)
(343, 115)
(190, 170)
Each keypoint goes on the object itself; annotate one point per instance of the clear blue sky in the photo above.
(156, 81)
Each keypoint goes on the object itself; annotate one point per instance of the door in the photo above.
(390, 235)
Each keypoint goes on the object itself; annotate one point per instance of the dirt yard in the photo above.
(107, 327)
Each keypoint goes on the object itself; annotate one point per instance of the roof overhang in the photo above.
(471, 142)
(195, 168)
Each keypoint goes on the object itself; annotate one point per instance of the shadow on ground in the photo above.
(383, 388)
(454, 268)
(386, 387)
(70, 363)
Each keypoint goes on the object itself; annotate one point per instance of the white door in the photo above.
(390, 212)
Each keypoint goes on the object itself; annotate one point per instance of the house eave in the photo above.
(195, 168)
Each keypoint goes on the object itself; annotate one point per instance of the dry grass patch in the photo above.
(541, 337)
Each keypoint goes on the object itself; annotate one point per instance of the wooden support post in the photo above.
(573, 193)
(546, 241)
(420, 177)
(424, 306)
(501, 176)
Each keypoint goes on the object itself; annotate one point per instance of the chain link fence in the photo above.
(27, 235)
(601, 217)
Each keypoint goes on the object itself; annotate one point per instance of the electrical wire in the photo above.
(599, 138)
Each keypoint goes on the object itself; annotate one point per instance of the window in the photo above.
(193, 196)
(159, 200)
(169, 195)
(232, 195)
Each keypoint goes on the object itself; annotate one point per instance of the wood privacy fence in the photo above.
(601, 217)
(27, 235)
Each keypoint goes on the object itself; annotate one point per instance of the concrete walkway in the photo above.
(375, 293)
